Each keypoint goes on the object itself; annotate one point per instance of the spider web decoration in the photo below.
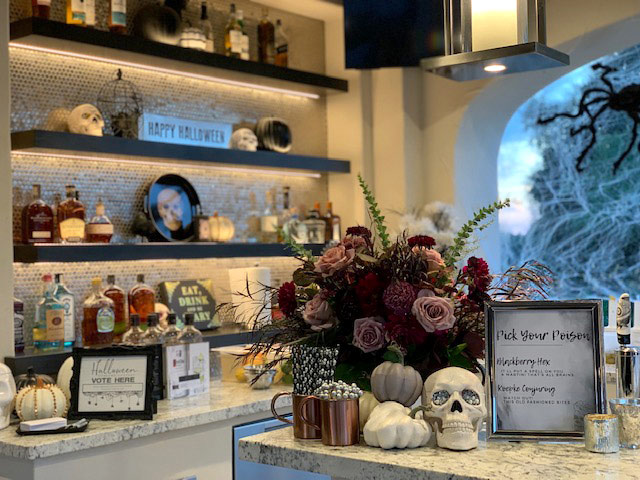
(586, 224)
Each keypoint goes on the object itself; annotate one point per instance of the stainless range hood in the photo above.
(515, 29)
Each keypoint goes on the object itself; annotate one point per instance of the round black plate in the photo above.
(173, 202)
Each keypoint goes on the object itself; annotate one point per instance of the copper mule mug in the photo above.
(339, 420)
(301, 409)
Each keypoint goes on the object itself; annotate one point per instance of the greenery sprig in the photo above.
(376, 215)
(476, 223)
(295, 247)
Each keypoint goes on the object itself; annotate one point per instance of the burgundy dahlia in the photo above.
(368, 290)
(405, 331)
(359, 232)
(399, 298)
(477, 271)
(287, 298)
(421, 241)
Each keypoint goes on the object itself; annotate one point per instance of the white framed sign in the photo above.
(165, 129)
(545, 366)
(186, 369)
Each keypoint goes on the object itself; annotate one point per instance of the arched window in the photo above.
(583, 223)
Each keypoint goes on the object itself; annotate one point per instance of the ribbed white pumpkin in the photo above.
(41, 401)
(367, 403)
(64, 378)
(221, 228)
(395, 382)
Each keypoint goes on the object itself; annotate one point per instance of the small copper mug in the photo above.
(339, 420)
(310, 410)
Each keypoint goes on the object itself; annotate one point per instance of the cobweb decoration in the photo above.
(588, 227)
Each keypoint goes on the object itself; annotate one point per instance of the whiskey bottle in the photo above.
(269, 220)
(266, 39)
(18, 325)
(90, 13)
(134, 335)
(244, 40)
(172, 332)
(142, 300)
(333, 231)
(48, 325)
(71, 214)
(37, 220)
(233, 35)
(68, 301)
(207, 29)
(41, 8)
(282, 46)
(99, 229)
(119, 298)
(189, 333)
(154, 334)
(117, 20)
(98, 320)
(75, 12)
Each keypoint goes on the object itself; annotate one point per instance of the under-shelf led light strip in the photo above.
(206, 78)
(253, 171)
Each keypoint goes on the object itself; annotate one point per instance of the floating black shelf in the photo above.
(84, 252)
(58, 36)
(61, 143)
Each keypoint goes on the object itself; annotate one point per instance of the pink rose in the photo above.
(368, 334)
(334, 259)
(318, 314)
(434, 313)
(432, 257)
(352, 242)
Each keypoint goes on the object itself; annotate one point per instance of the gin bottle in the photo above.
(48, 327)
(68, 301)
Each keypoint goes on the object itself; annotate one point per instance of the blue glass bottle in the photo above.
(48, 327)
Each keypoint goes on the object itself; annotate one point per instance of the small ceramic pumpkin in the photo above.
(221, 229)
(31, 378)
(391, 426)
(274, 134)
(64, 378)
(367, 403)
(41, 401)
(395, 382)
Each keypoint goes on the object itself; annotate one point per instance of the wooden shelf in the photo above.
(109, 147)
(86, 252)
(91, 43)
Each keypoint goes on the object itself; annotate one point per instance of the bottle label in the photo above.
(280, 49)
(44, 3)
(67, 302)
(77, 11)
(245, 47)
(119, 12)
(55, 325)
(269, 223)
(100, 229)
(336, 232)
(105, 320)
(18, 328)
(72, 230)
(40, 234)
(235, 37)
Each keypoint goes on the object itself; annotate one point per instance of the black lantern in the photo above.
(121, 106)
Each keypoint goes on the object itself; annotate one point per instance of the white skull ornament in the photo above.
(244, 139)
(455, 406)
(170, 208)
(86, 120)
(7, 394)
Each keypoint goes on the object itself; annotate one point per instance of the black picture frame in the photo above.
(113, 414)
(495, 315)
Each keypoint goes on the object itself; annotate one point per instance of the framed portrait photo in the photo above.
(173, 205)
(112, 383)
(545, 368)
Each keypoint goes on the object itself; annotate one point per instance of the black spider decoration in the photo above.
(626, 100)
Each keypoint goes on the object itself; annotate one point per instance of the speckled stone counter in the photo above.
(226, 401)
(492, 460)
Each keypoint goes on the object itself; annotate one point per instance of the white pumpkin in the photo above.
(390, 426)
(41, 401)
(395, 382)
(221, 228)
(367, 403)
(64, 378)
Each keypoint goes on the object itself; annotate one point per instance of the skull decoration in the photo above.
(244, 139)
(7, 394)
(455, 403)
(86, 119)
(170, 208)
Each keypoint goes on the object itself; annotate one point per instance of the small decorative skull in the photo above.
(244, 139)
(86, 119)
(170, 208)
(455, 406)
(7, 394)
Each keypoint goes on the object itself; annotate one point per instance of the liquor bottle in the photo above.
(233, 35)
(119, 298)
(98, 320)
(189, 333)
(266, 39)
(282, 46)
(142, 300)
(37, 220)
(90, 13)
(71, 217)
(285, 213)
(134, 335)
(75, 12)
(207, 29)
(68, 301)
(269, 220)
(295, 228)
(316, 225)
(117, 20)
(41, 8)
(99, 229)
(172, 332)
(333, 231)
(253, 220)
(18, 325)
(154, 334)
(244, 40)
(48, 327)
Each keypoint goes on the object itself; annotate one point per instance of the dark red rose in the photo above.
(477, 272)
(405, 331)
(368, 290)
(359, 232)
(399, 298)
(287, 298)
(421, 241)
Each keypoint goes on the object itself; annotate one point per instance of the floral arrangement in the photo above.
(400, 301)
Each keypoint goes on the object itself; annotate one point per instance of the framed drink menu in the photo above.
(545, 366)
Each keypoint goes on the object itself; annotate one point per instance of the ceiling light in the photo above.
(495, 68)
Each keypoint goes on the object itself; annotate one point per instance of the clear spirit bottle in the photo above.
(233, 35)
(154, 334)
(68, 301)
(48, 327)
(189, 334)
(134, 335)
(207, 29)
(172, 332)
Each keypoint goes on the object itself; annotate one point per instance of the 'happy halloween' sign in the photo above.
(192, 296)
(161, 128)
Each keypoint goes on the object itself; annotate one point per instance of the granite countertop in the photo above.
(491, 460)
(225, 401)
